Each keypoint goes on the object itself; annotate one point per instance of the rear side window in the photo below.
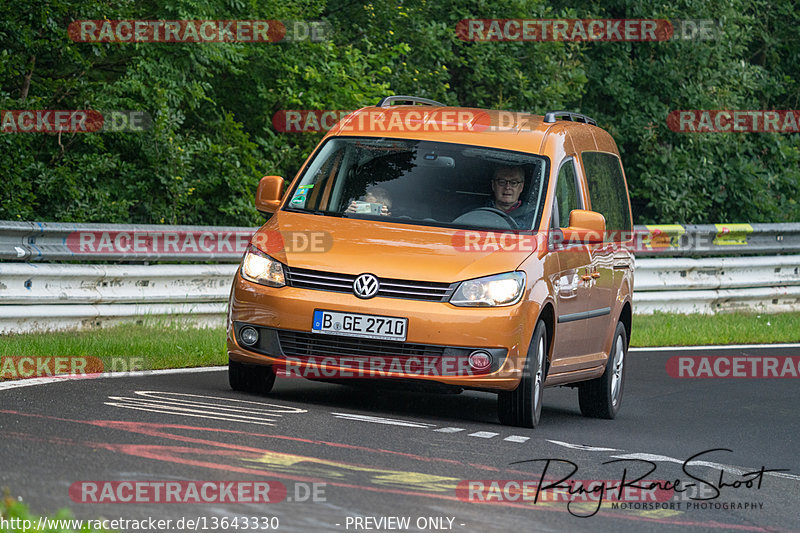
(607, 191)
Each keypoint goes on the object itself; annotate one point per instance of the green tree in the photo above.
(700, 177)
(212, 104)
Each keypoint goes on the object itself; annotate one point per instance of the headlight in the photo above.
(491, 291)
(258, 267)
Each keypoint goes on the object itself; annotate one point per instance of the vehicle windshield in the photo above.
(423, 182)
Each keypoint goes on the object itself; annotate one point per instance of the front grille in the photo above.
(389, 288)
(301, 344)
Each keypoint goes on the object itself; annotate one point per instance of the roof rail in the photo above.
(552, 116)
(387, 101)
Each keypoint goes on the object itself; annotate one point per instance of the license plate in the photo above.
(357, 325)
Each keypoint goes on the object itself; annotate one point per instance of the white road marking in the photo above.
(16, 383)
(710, 348)
(583, 447)
(483, 434)
(666, 459)
(227, 405)
(738, 470)
(219, 408)
(407, 423)
(169, 411)
(784, 475)
(382, 420)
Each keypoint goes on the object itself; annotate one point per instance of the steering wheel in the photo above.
(509, 220)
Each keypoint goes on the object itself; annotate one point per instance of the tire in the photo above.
(523, 406)
(250, 378)
(602, 397)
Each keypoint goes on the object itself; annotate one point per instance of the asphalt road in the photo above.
(351, 459)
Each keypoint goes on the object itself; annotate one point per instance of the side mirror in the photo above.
(585, 227)
(269, 194)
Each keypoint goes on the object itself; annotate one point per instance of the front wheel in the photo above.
(250, 378)
(602, 397)
(523, 406)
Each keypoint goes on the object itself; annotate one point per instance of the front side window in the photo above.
(567, 196)
(607, 191)
(423, 182)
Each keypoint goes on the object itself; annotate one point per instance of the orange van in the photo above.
(444, 248)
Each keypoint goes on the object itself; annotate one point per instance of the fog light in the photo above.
(248, 335)
(480, 360)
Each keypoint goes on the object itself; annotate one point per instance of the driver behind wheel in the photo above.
(507, 184)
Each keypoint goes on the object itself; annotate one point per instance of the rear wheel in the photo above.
(523, 406)
(250, 378)
(602, 397)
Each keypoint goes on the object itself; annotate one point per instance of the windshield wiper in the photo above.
(314, 212)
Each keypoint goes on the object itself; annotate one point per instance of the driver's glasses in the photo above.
(508, 183)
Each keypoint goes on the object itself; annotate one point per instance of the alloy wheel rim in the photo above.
(537, 381)
(616, 377)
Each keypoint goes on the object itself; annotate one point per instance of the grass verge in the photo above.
(663, 329)
(154, 346)
(148, 346)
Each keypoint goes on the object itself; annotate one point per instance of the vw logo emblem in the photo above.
(366, 286)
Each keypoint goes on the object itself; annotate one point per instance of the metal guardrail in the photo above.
(686, 274)
(40, 297)
(767, 284)
(49, 296)
(36, 295)
(675, 240)
(56, 241)
(51, 241)
(52, 284)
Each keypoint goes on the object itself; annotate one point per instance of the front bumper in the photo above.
(439, 341)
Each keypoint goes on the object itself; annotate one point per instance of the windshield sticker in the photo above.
(299, 198)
